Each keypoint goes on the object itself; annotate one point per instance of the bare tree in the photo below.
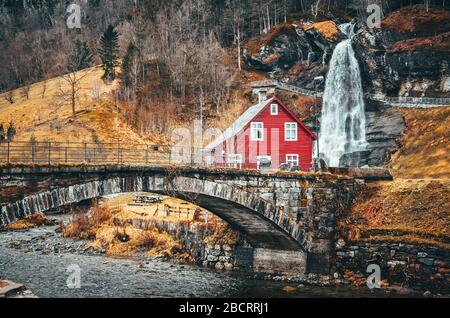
(9, 96)
(71, 95)
(25, 89)
(235, 14)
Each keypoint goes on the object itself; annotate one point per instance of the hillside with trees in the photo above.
(165, 62)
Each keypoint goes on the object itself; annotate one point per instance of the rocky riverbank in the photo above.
(39, 258)
(10, 289)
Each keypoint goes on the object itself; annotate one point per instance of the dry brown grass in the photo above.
(36, 220)
(222, 235)
(409, 210)
(127, 241)
(109, 226)
(437, 43)
(328, 29)
(425, 147)
(47, 118)
(416, 19)
(300, 105)
(85, 226)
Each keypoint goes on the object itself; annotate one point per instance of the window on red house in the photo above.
(290, 131)
(293, 160)
(257, 132)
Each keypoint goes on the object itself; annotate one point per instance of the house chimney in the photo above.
(262, 96)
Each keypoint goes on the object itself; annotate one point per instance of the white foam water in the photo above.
(343, 122)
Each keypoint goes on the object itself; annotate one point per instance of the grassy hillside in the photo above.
(425, 147)
(49, 116)
(415, 211)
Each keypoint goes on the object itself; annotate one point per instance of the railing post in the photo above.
(118, 153)
(85, 152)
(33, 150)
(49, 153)
(8, 160)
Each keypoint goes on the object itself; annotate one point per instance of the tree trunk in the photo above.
(73, 98)
(239, 48)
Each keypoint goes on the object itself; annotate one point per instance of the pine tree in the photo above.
(81, 57)
(128, 75)
(108, 53)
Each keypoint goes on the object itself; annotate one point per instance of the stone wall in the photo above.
(193, 235)
(421, 267)
(308, 208)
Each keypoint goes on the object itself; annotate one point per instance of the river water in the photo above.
(40, 259)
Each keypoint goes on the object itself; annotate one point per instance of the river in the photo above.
(39, 259)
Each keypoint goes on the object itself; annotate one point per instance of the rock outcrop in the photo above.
(383, 129)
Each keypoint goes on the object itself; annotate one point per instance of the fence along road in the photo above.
(408, 102)
(76, 153)
(16, 152)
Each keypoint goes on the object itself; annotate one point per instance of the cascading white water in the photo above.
(343, 122)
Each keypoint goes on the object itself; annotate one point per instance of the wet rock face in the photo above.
(385, 71)
(419, 63)
(291, 47)
(378, 77)
(383, 129)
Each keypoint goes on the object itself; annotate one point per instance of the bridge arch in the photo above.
(247, 213)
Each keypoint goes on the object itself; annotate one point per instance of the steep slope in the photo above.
(425, 147)
(49, 116)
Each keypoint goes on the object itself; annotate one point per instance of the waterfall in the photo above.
(343, 122)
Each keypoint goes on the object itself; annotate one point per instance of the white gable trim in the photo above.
(239, 124)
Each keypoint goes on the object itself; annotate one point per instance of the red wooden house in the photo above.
(267, 135)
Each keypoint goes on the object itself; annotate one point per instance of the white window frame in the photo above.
(287, 127)
(235, 160)
(291, 161)
(274, 109)
(254, 128)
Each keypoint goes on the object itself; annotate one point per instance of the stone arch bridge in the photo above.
(288, 211)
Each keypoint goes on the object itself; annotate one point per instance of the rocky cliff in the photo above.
(408, 56)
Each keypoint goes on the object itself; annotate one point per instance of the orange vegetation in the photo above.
(111, 228)
(302, 106)
(36, 220)
(49, 116)
(328, 29)
(403, 210)
(425, 147)
(415, 19)
(437, 43)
